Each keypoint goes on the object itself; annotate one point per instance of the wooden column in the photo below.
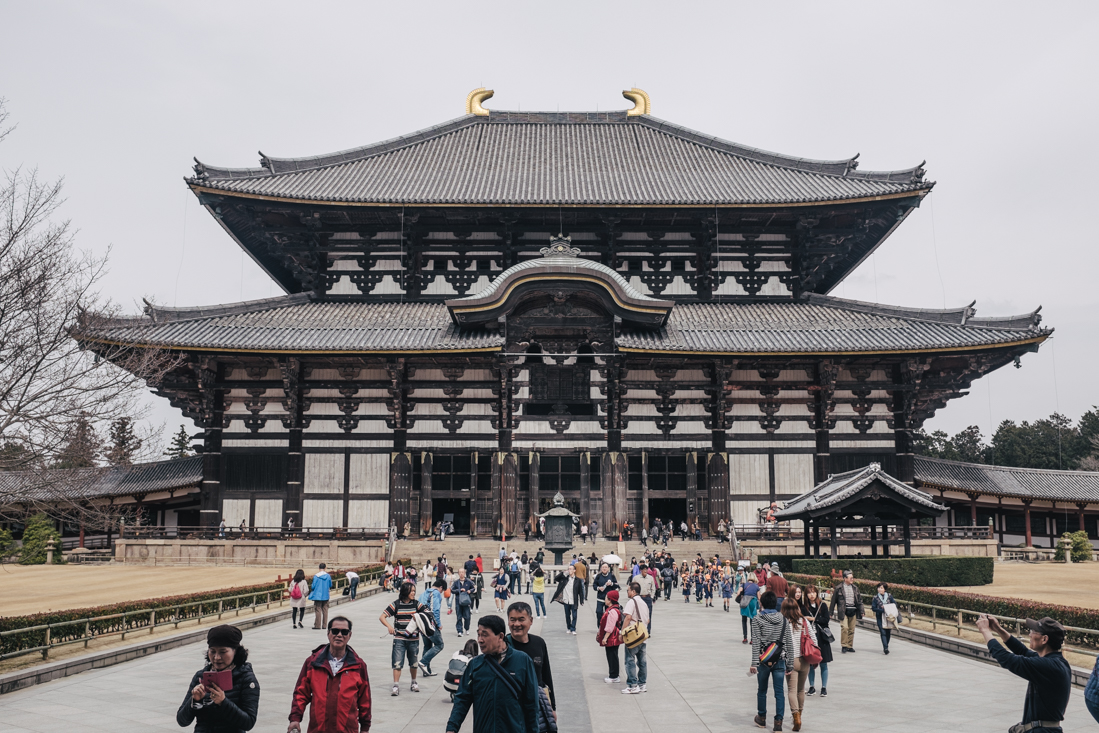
(213, 420)
(1051, 522)
(473, 496)
(585, 487)
(425, 495)
(816, 539)
(535, 478)
(292, 377)
(614, 483)
(972, 510)
(823, 406)
(902, 437)
(885, 540)
(717, 488)
(832, 537)
(692, 489)
(1026, 521)
(505, 493)
(644, 491)
(873, 540)
(908, 536)
(1079, 515)
(1000, 519)
(614, 409)
(806, 526)
(400, 490)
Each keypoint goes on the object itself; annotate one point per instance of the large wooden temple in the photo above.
(510, 304)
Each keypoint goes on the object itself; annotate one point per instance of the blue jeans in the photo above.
(778, 676)
(464, 614)
(570, 617)
(354, 587)
(823, 674)
(402, 648)
(513, 583)
(432, 646)
(637, 669)
(539, 602)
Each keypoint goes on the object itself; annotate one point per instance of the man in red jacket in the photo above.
(334, 681)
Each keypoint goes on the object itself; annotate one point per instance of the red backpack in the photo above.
(295, 591)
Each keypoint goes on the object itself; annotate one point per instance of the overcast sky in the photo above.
(999, 98)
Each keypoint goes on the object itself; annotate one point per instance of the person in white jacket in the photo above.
(799, 625)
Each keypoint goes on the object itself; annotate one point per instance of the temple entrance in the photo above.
(454, 510)
(665, 509)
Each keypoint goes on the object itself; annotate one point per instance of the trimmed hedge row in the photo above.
(205, 604)
(1084, 618)
(935, 571)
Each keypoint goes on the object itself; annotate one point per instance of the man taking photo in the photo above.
(500, 685)
(1042, 665)
(334, 685)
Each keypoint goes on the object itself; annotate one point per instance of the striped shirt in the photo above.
(401, 613)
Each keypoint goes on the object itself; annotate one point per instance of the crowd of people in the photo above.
(504, 675)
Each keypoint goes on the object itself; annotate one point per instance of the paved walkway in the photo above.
(697, 682)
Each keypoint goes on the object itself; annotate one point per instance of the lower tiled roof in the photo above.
(17, 487)
(1008, 481)
(819, 325)
(842, 486)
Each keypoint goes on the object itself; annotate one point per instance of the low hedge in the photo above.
(205, 603)
(927, 570)
(1084, 618)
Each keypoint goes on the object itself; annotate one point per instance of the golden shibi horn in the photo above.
(474, 100)
(641, 103)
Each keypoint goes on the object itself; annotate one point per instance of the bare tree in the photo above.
(1091, 462)
(52, 392)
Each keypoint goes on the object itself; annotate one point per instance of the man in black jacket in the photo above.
(848, 600)
(499, 684)
(1042, 665)
(520, 619)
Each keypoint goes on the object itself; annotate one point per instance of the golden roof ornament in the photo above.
(474, 100)
(642, 105)
(560, 246)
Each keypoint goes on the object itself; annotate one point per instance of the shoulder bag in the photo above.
(810, 652)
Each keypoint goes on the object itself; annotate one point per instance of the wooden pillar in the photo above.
(902, 437)
(585, 488)
(400, 490)
(1051, 523)
(614, 483)
(692, 489)
(473, 496)
(1000, 519)
(1026, 521)
(644, 491)
(806, 528)
(213, 421)
(82, 530)
(816, 538)
(505, 494)
(885, 540)
(717, 488)
(908, 536)
(535, 499)
(823, 404)
(614, 409)
(1079, 516)
(873, 540)
(832, 537)
(425, 495)
(972, 510)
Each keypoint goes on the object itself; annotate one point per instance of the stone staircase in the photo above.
(458, 548)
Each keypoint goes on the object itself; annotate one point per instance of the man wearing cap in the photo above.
(777, 585)
(1042, 665)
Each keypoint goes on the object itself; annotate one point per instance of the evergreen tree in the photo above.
(14, 457)
(82, 448)
(180, 447)
(36, 535)
(124, 443)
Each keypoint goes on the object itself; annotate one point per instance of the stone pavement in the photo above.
(697, 682)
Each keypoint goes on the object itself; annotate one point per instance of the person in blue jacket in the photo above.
(318, 593)
(433, 599)
(500, 685)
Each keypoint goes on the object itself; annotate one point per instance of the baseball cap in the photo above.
(1048, 627)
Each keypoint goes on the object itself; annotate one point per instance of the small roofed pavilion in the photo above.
(866, 498)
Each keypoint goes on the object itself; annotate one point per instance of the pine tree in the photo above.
(82, 448)
(180, 447)
(124, 443)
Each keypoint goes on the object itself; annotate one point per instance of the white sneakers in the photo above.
(415, 686)
(631, 691)
(396, 691)
(612, 680)
(643, 688)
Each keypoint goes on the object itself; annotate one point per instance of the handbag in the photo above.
(810, 652)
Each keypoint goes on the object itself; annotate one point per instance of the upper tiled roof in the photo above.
(65, 485)
(824, 324)
(842, 486)
(821, 325)
(540, 158)
(1026, 483)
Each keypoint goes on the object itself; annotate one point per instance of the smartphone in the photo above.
(223, 679)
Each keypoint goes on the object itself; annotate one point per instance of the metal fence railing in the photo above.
(44, 637)
(155, 532)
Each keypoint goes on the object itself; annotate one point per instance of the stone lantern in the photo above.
(559, 528)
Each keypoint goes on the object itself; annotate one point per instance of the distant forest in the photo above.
(1053, 442)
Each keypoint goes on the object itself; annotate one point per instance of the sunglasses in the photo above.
(340, 632)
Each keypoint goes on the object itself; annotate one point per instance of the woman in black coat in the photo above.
(603, 583)
(815, 609)
(212, 709)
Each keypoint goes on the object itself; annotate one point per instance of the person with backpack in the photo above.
(318, 593)
(478, 589)
(456, 669)
(806, 652)
(500, 685)
(609, 635)
(772, 658)
(461, 592)
(398, 619)
(726, 591)
(298, 590)
(635, 614)
(432, 598)
(513, 575)
(748, 600)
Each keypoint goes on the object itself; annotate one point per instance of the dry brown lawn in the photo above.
(1066, 585)
(35, 588)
